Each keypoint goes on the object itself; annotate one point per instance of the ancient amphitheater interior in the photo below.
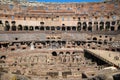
(59, 41)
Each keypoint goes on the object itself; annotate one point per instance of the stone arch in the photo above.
(31, 28)
(13, 28)
(78, 43)
(41, 23)
(61, 53)
(42, 28)
(113, 22)
(101, 25)
(79, 23)
(58, 27)
(79, 28)
(68, 28)
(74, 28)
(90, 23)
(19, 27)
(3, 57)
(67, 52)
(90, 28)
(107, 26)
(105, 41)
(118, 27)
(63, 29)
(73, 52)
(1, 22)
(96, 25)
(26, 28)
(63, 43)
(13, 22)
(63, 24)
(47, 28)
(84, 26)
(94, 38)
(52, 28)
(54, 53)
(36, 27)
(112, 28)
(7, 26)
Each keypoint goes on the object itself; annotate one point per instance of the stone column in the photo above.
(104, 26)
(32, 46)
(60, 74)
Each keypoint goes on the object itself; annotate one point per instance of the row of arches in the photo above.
(54, 53)
(63, 28)
(84, 26)
(104, 23)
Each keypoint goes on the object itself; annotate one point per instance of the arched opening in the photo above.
(1, 22)
(96, 25)
(79, 28)
(105, 41)
(113, 22)
(52, 28)
(58, 27)
(90, 23)
(63, 42)
(31, 28)
(88, 45)
(13, 28)
(25, 28)
(79, 23)
(54, 53)
(107, 27)
(119, 27)
(78, 17)
(41, 23)
(3, 57)
(47, 28)
(20, 27)
(42, 28)
(99, 42)
(73, 52)
(113, 49)
(63, 28)
(90, 28)
(68, 28)
(36, 27)
(112, 28)
(74, 28)
(94, 38)
(101, 28)
(60, 52)
(63, 24)
(78, 43)
(101, 25)
(13, 22)
(118, 49)
(7, 26)
(67, 52)
(84, 26)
